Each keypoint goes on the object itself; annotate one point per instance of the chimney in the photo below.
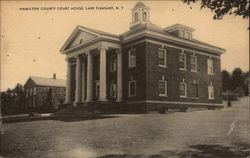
(54, 76)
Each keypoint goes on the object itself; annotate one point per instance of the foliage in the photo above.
(223, 7)
(13, 99)
(236, 82)
(225, 80)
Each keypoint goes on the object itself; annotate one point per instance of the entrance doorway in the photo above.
(97, 90)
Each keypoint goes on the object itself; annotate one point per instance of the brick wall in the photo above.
(174, 76)
(138, 72)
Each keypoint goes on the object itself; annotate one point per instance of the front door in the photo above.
(97, 90)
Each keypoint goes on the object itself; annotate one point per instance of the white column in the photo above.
(89, 78)
(68, 83)
(119, 76)
(83, 79)
(78, 81)
(103, 73)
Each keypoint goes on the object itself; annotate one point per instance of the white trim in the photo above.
(75, 32)
(172, 102)
(129, 62)
(129, 95)
(96, 45)
(183, 96)
(165, 59)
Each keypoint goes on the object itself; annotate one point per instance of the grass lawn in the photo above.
(208, 133)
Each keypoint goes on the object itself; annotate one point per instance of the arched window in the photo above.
(136, 16)
(144, 16)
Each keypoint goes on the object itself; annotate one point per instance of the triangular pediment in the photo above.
(81, 37)
(78, 37)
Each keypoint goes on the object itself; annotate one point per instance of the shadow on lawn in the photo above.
(58, 118)
(197, 151)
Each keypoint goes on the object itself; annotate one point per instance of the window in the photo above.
(132, 58)
(183, 89)
(132, 88)
(181, 34)
(194, 90)
(34, 91)
(193, 63)
(112, 89)
(210, 69)
(162, 85)
(182, 60)
(162, 57)
(144, 16)
(210, 91)
(31, 92)
(113, 63)
(136, 16)
(188, 35)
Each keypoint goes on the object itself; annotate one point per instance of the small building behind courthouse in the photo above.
(44, 94)
(148, 66)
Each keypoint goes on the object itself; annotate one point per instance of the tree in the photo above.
(20, 96)
(223, 7)
(226, 80)
(237, 78)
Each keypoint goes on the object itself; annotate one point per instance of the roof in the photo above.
(178, 26)
(99, 32)
(141, 4)
(156, 28)
(42, 81)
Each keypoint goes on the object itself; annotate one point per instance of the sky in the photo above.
(31, 39)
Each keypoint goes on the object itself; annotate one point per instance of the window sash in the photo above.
(210, 66)
(182, 60)
(183, 90)
(162, 85)
(162, 57)
(193, 62)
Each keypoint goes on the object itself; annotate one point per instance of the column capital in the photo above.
(78, 56)
(102, 47)
(118, 51)
(67, 59)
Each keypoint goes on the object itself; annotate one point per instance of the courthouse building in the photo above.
(147, 65)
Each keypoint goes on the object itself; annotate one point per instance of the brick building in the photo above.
(147, 65)
(44, 94)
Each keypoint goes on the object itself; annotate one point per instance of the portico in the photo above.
(87, 67)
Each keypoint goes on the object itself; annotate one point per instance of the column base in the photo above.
(76, 103)
(103, 100)
(118, 100)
